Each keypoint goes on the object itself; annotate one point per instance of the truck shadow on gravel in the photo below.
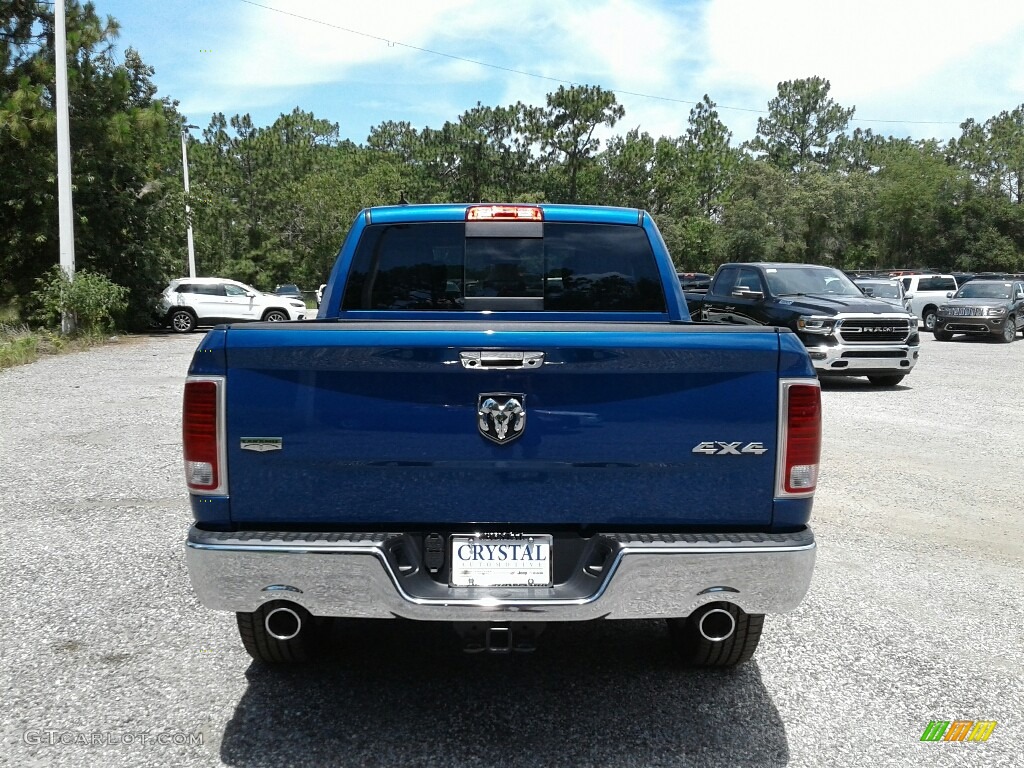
(396, 693)
(858, 385)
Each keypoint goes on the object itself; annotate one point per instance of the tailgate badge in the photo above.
(261, 444)
(501, 416)
(718, 448)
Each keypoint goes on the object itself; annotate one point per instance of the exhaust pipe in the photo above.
(283, 623)
(716, 625)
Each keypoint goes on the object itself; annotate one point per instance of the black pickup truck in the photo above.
(846, 332)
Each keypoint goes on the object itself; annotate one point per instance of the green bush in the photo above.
(92, 301)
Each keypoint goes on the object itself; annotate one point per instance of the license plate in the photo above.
(480, 561)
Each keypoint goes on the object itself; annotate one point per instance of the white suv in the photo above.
(926, 293)
(189, 303)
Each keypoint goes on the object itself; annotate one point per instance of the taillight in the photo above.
(799, 438)
(504, 213)
(201, 435)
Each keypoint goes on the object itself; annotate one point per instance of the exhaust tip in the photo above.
(716, 625)
(283, 624)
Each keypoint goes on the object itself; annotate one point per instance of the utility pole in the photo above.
(66, 227)
(188, 211)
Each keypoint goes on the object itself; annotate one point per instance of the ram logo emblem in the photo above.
(501, 416)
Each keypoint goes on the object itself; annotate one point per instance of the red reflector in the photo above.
(504, 213)
(199, 435)
(803, 439)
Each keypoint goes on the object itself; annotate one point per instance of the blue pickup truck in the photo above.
(502, 416)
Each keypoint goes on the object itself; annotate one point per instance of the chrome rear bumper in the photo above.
(639, 576)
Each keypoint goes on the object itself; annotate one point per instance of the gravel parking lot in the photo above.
(915, 613)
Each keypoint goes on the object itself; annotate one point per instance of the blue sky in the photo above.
(910, 67)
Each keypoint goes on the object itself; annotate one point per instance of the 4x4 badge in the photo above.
(719, 448)
(501, 416)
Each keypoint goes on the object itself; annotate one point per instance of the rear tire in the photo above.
(264, 647)
(943, 335)
(697, 651)
(886, 381)
(183, 321)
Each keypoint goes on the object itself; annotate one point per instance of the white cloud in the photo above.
(870, 46)
(630, 46)
(894, 60)
(904, 60)
(621, 42)
(326, 41)
(627, 44)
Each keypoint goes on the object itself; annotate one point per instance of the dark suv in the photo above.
(291, 290)
(984, 308)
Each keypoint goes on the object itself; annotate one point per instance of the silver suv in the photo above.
(889, 290)
(189, 303)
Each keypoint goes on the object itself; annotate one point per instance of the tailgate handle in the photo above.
(501, 361)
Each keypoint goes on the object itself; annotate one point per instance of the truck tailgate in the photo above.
(369, 424)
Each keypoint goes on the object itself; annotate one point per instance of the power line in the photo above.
(414, 47)
(560, 81)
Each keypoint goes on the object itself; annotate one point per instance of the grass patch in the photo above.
(17, 346)
(20, 345)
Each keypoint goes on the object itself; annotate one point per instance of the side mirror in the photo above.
(867, 290)
(747, 293)
(250, 294)
(949, 294)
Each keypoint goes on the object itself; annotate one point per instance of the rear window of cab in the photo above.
(555, 267)
(930, 284)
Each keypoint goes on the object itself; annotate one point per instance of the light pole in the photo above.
(65, 219)
(188, 211)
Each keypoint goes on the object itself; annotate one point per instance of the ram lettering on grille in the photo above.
(874, 330)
